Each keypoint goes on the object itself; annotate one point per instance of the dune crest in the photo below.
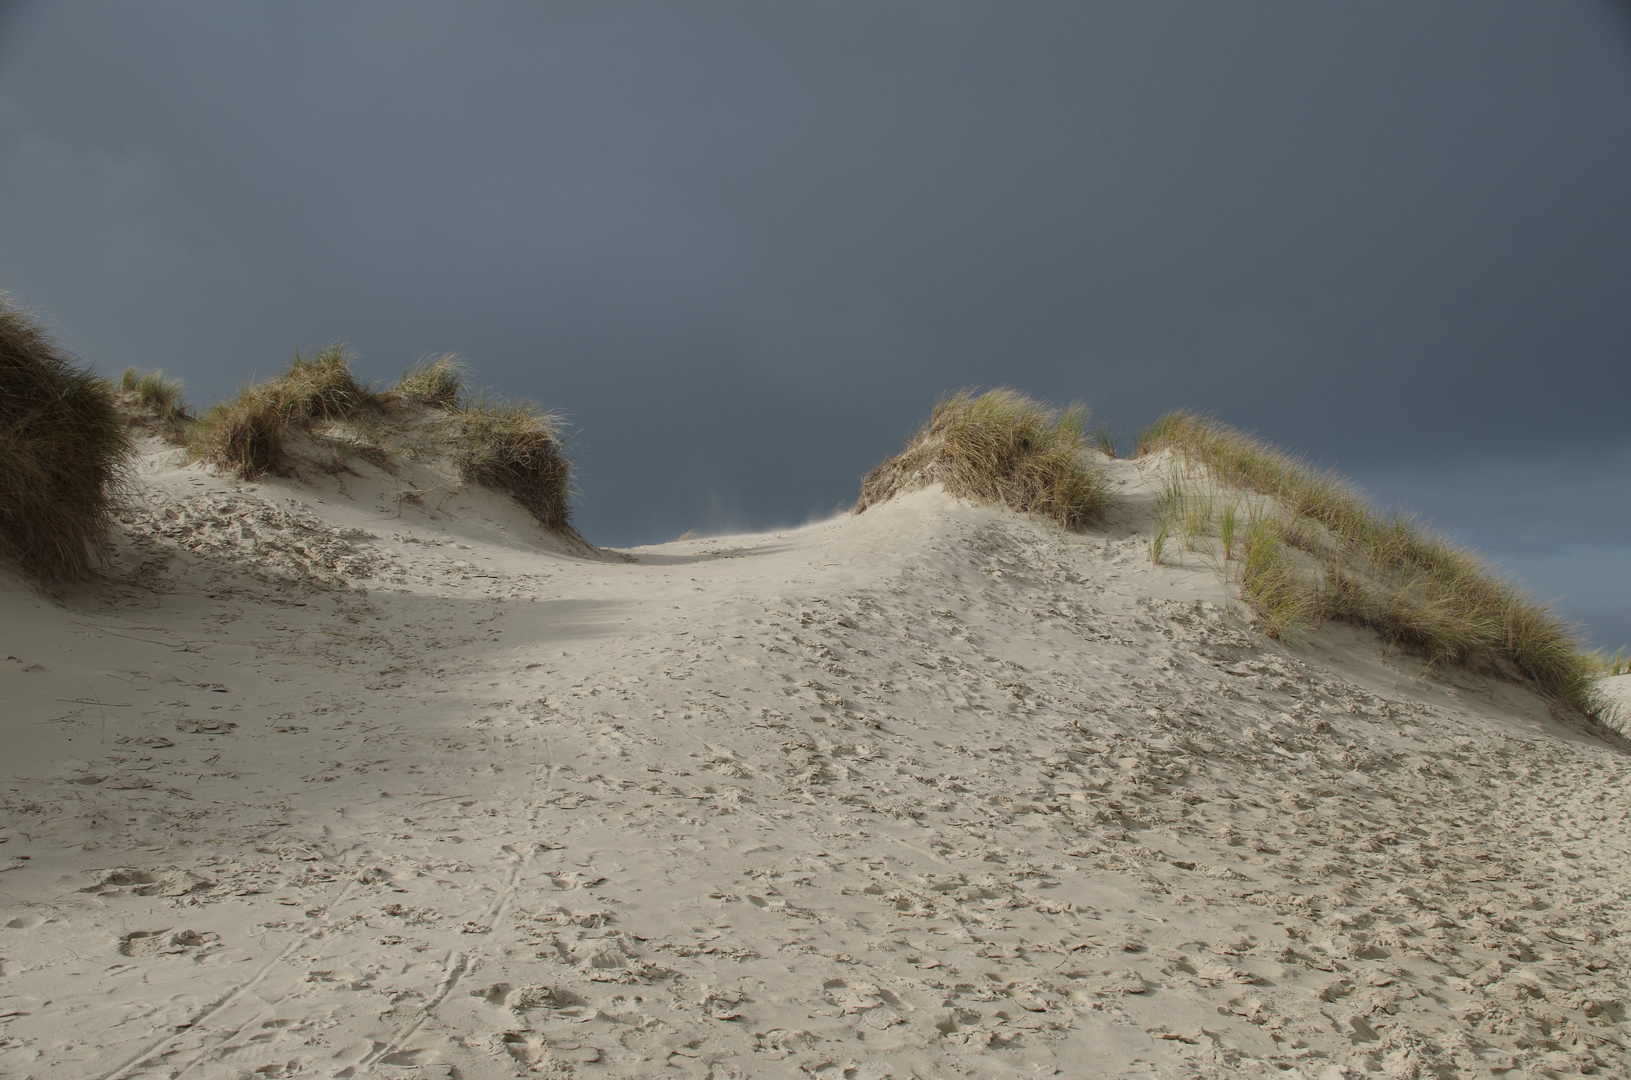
(361, 774)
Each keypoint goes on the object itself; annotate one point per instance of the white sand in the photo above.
(933, 791)
(1617, 692)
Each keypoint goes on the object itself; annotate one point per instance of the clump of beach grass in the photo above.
(438, 382)
(1271, 580)
(1316, 550)
(63, 446)
(1002, 448)
(321, 386)
(514, 447)
(1618, 664)
(1194, 512)
(155, 393)
(243, 435)
(1158, 542)
(511, 446)
(246, 434)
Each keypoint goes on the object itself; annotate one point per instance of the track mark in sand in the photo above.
(226, 999)
(193, 1022)
(452, 969)
(456, 963)
(501, 902)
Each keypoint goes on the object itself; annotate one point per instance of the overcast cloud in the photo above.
(744, 246)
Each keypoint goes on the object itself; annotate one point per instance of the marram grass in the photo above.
(1001, 448)
(63, 446)
(155, 393)
(246, 433)
(1316, 550)
(510, 446)
(243, 435)
(516, 448)
(439, 383)
(320, 386)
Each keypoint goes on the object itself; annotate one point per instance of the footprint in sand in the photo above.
(205, 727)
(538, 997)
(125, 876)
(531, 1049)
(150, 882)
(495, 993)
(141, 943)
(524, 1046)
(724, 1004)
(400, 1066)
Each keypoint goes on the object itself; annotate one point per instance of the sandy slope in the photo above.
(346, 784)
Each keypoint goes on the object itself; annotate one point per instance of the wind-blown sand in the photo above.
(346, 784)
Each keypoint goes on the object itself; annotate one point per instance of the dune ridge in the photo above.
(324, 780)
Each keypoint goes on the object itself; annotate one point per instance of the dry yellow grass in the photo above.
(510, 446)
(438, 383)
(246, 433)
(1318, 550)
(243, 435)
(1002, 448)
(514, 447)
(154, 392)
(153, 402)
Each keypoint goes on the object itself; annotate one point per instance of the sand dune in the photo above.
(328, 781)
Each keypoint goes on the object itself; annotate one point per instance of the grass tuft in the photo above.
(243, 435)
(246, 433)
(320, 387)
(1227, 524)
(1271, 582)
(62, 451)
(998, 447)
(1316, 549)
(153, 392)
(1158, 542)
(514, 447)
(438, 383)
(511, 446)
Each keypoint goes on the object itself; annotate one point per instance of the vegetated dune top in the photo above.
(334, 779)
(1617, 689)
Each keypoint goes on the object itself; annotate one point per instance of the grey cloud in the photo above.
(745, 246)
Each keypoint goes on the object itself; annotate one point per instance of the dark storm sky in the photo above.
(745, 245)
